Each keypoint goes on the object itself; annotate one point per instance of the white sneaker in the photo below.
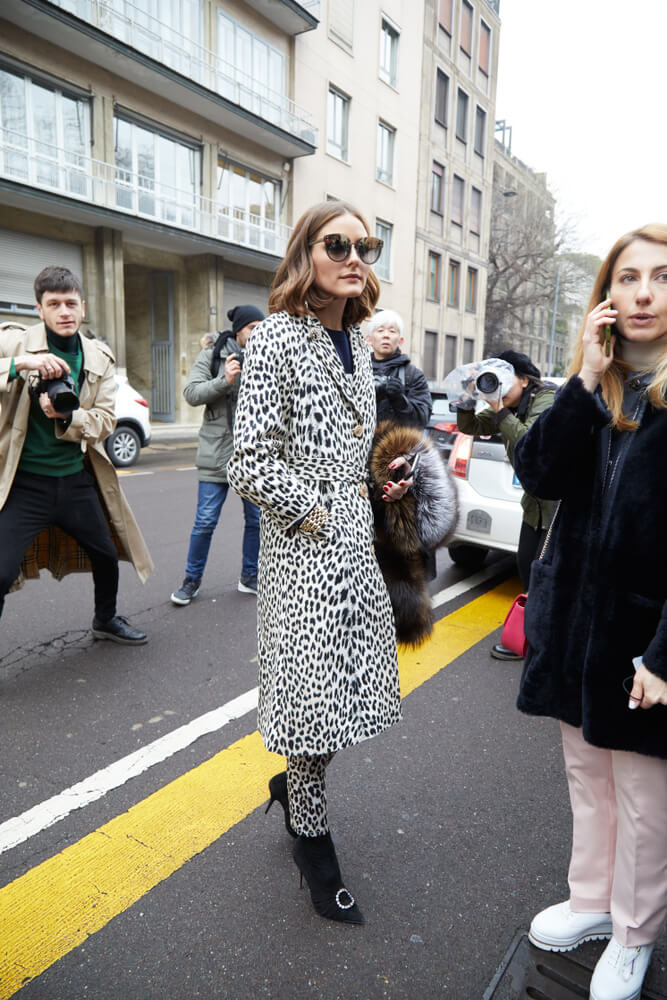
(620, 972)
(558, 928)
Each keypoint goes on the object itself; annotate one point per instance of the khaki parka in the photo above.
(89, 426)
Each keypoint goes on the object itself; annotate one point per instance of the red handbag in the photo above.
(513, 636)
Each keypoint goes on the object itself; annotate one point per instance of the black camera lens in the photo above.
(487, 382)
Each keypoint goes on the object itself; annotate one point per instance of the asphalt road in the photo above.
(452, 828)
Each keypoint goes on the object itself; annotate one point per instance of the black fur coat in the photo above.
(407, 530)
(599, 596)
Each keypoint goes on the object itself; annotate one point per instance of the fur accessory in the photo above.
(408, 529)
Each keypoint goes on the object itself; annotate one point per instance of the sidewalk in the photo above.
(172, 433)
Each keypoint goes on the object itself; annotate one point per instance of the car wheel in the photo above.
(468, 556)
(123, 447)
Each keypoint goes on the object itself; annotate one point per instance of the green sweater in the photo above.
(536, 512)
(43, 453)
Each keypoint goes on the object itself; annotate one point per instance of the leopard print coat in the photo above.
(328, 674)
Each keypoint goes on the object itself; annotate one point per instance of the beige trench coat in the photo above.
(90, 425)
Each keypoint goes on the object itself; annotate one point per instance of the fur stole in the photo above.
(408, 530)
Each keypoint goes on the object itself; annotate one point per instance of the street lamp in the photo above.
(553, 322)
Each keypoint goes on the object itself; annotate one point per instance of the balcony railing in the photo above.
(154, 38)
(106, 185)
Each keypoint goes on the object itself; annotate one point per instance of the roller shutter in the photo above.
(22, 257)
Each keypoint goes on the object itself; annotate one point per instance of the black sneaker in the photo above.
(247, 585)
(187, 590)
(119, 630)
(500, 652)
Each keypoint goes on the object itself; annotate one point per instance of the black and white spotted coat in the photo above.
(328, 673)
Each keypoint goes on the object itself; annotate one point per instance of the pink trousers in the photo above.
(619, 836)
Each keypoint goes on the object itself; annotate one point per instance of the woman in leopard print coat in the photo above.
(328, 675)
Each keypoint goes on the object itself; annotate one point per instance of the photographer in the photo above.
(58, 489)
(512, 415)
(401, 391)
(214, 383)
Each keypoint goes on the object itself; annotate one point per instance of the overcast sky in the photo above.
(584, 85)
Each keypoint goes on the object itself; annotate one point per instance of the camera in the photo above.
(239, 357)
(487, 382)
(61, 392)
(478, 381)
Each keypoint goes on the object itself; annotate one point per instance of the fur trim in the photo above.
(436, 499)
(410, 599)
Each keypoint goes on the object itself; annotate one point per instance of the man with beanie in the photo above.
(401, 389)
(214, 383)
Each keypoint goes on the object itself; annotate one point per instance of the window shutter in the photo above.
(22, 257)
(341, 21)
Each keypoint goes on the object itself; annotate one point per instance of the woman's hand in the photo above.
(595, 361)
(397, 487)
(648, 690)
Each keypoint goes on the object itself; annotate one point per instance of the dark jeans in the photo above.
(531, 541)
(210, 498)
(71, 503)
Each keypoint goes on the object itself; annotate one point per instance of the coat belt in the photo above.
(326, 469)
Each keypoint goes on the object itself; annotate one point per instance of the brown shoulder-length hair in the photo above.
(612, 380)
(294, 289)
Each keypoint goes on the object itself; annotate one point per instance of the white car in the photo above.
(133, 426)
(489, 493)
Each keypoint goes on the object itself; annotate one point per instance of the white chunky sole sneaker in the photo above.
(559, 928)
(620, 972)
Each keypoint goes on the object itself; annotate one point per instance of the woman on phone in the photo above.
(596, 617)
(304, 427)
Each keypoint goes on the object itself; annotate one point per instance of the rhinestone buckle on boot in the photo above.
(344, 906)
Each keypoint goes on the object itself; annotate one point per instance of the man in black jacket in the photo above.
(400, 388)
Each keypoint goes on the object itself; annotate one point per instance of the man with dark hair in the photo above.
(59, 493)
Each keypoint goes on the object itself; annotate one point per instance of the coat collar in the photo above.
(323, 348)
(95, 357)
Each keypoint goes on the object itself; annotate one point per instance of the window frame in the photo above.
(432, 336)
(442, 78)
(465, 7)
(389, 30)
(433, 275)
(458, 184)
(479, 138)
(437, 170)
(472, 285)
(462, 114)
(386, 142)
(475, 198)
(384, 230)
(454, 284)
(445, 15)
(484, 32)
(342, 151)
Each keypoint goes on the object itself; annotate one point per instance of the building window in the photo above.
(430, 368)
(480, 130)
(454, 281)
(445, 15)
(471, 290)
(341, 22)
(450, 353)
(253, 71)
(458, 191)
(338, 123)
(45, 137)
(385, 153)
(468, 350)
(155, 174)
(384, 231)
(466, 27)
(437, 187)
(475, 211)
(433, 288)
(484, 47)
(248, 205)
(389, 53)
(442, 98)
(462, 102)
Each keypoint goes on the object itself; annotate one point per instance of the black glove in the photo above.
(393, 387)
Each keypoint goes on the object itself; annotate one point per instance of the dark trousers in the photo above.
(531, 541)
(71, 503)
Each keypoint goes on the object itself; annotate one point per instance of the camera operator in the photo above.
(512, 415)
(214, 382)
(401, 391)
(58, 489)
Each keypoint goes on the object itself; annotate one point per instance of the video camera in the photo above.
(489, 379)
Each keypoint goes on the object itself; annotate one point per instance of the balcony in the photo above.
(154, 56)
(96, 193)
(290, 16)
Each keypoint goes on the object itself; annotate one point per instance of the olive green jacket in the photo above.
(536, 512)
(219, 397)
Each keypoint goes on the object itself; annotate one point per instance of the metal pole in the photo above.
(553, 323)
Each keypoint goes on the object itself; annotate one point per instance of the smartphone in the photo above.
(606, 337)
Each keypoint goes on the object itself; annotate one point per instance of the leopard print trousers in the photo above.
(306, 793)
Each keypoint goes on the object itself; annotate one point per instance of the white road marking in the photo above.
(19, 829)
(15, 831)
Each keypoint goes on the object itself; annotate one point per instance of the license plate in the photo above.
(479, 520)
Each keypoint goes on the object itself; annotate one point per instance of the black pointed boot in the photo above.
(316, 859)
(278, 793)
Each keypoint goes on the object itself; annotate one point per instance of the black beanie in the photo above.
(240, 316)
(521, 364)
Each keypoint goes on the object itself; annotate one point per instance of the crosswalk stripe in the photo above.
(54, 907)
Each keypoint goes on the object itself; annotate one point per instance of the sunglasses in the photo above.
(338, 247)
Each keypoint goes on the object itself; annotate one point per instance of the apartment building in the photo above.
(455, 177)
(150, 146)
(523, 236)
(360, 75)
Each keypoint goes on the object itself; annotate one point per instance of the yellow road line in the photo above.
(55, 906)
